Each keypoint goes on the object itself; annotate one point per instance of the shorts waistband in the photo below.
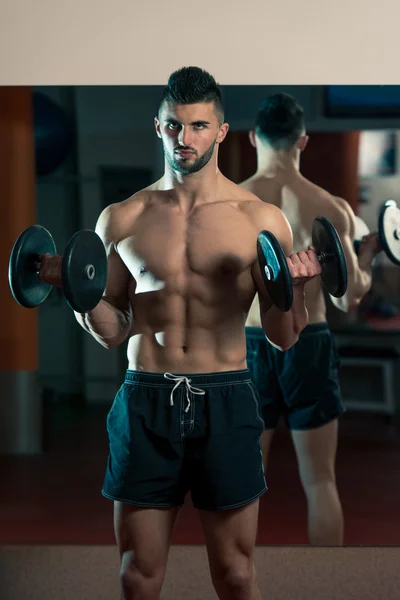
(201, 379)
(312, 328)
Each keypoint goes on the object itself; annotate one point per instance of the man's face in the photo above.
(189, 134)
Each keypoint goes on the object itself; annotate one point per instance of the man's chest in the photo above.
(210, 242)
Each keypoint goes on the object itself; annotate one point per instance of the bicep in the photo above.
(120, 282)
(119, 279)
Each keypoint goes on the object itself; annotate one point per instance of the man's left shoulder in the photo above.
(254, 206)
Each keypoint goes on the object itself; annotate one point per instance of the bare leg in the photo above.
(266, 441)
(230, 539)
(316, 454)
(143, 536)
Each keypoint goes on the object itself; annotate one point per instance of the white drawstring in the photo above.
(189, 388)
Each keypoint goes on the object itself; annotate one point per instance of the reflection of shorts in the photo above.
(301, 384)
(169, 435)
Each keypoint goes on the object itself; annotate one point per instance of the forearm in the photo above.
(358, 285)
(107, 324)
(283, 328)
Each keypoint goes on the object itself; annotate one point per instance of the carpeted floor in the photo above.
(91, 573)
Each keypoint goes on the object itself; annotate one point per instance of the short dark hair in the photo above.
(280, 121)
(192, 85)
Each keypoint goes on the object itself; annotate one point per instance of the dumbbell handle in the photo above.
(324, 257)
(38, 261)
(89, 269)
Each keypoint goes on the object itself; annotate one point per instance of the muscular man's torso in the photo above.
(301, 202)
(191, 281)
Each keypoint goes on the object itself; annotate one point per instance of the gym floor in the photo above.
(55, 498)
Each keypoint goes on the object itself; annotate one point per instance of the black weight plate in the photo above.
(328, 246)
(275, 270)
(25, 285)
(85, 252)
(389, 230)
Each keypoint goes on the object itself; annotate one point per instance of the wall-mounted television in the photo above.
(362, 101)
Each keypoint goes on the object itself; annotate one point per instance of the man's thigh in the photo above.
(230, 536)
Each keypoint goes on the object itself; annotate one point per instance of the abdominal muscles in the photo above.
(193, 290)
(197, 326)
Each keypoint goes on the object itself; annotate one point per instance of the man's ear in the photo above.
(222, 133)
(252, 138)
(157, 126)
(302, 143)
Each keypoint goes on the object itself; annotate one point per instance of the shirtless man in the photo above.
(302, 384)
(183, 273)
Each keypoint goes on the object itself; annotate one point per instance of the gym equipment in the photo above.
(388, 230)
(84, 268)
(275, 270)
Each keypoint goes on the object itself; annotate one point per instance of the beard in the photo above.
(187, 166)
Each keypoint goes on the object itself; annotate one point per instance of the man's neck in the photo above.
(193, 189)
(280, 167)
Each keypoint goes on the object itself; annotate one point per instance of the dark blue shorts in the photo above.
(301, 384)
(198, 433)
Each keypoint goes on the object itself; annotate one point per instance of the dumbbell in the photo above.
(275, 270)
(388, 231)
(83, 270)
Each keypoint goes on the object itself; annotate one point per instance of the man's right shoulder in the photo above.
(116, 218)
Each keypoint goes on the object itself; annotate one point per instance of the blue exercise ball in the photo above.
(53, 134)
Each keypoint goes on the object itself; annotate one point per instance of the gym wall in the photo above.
(114, 127)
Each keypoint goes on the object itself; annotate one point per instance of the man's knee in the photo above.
(141, 577)
(314, 475)
(236, 575)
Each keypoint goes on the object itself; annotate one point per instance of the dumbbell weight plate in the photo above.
(329, 249)
(84, 271)
(275, 271)
(389, 230)
(25, 285)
